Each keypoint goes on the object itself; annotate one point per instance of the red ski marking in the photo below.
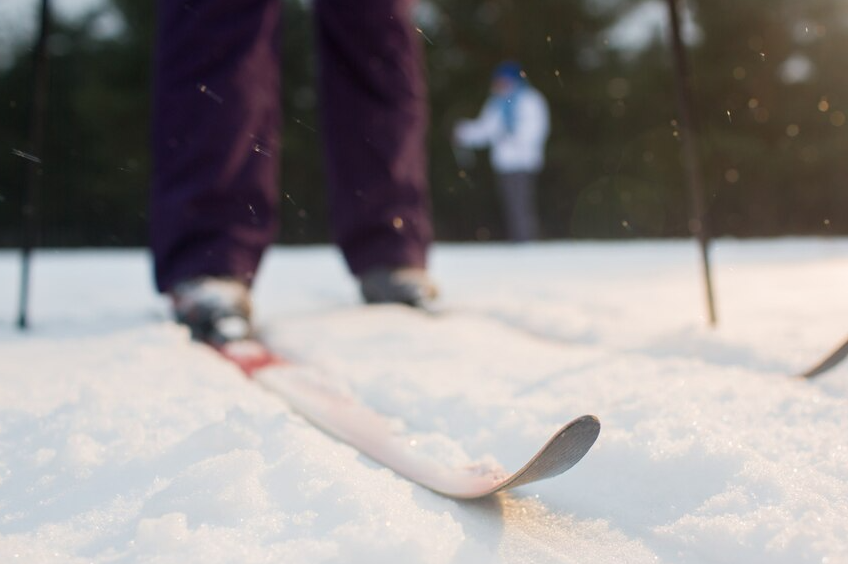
(250, 356)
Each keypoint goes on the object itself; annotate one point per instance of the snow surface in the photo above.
(121, 441)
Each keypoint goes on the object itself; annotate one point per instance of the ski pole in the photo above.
(29, 211)
(688, 137)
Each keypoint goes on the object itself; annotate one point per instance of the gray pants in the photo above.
(518, 201)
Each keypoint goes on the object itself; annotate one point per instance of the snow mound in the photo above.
(122, 441)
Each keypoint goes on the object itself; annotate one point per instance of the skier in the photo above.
(215, 144)
(515, 123)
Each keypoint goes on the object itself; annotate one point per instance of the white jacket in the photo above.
(523, 150)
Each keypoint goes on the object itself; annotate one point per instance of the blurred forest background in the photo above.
(770, 88)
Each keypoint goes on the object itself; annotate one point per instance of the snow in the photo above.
(121, 441)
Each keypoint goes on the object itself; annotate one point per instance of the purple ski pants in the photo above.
(216, 118)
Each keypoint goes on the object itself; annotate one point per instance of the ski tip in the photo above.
(588, 419)
(585, 429)
(562, 451)
(831, 360)
(586, 422)
(577, 437)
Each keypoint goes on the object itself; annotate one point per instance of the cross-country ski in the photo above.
(313, 395)
(375, 435)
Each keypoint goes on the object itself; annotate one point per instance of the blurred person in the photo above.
(514, 123)
(216, 118)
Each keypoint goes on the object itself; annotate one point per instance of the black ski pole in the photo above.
(29, 211)
(688, 132)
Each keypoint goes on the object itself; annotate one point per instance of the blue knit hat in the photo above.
(509, 70)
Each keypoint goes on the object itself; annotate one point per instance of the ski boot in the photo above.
(405, 285)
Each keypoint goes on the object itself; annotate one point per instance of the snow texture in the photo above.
(122, 441)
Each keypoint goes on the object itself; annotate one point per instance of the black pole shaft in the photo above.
(29, 211)
(688, 131)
